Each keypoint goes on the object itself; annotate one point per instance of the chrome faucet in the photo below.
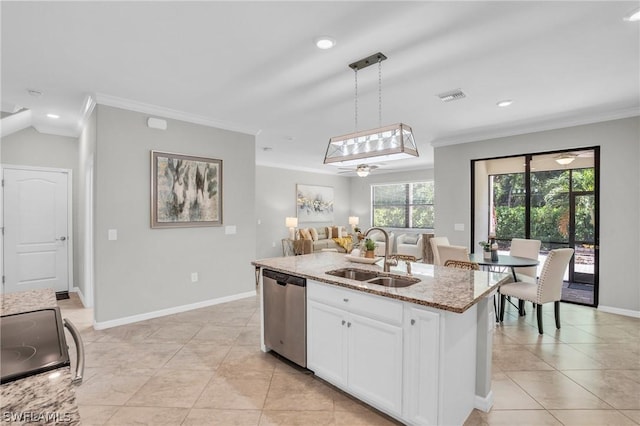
(387, 260)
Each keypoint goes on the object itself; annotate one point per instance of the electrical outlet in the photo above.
(194, 277)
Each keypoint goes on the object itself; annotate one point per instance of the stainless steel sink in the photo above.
(372, 277)
(353, 274)
(394, 281)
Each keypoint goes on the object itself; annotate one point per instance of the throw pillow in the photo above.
(304, 234)
(410, 239)
(322, 233)
(314, 234)
(334, 232)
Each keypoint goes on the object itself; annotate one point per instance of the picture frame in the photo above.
(314, 203)
(186, 190)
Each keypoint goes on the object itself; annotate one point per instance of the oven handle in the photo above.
(79, 351)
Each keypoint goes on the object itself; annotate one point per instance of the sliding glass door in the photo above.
(551, 197)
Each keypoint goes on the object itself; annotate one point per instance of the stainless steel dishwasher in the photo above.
(285, 315)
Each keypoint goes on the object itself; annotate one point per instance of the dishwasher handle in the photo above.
(79, 351)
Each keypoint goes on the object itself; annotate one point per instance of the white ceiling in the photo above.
(253, 66)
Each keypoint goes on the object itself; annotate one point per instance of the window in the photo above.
(403, 205)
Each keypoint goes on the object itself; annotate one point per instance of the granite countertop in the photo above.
(45, 398)
(449, 289)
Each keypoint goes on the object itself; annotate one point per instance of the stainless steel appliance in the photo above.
(34, 342)
(285, 315)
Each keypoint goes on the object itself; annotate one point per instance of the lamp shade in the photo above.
(354, 220)
(291, 222)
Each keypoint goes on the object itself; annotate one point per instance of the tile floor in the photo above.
(204, 367)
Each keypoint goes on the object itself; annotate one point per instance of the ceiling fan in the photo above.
(361, 170)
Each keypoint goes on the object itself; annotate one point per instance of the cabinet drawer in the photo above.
(372, 306)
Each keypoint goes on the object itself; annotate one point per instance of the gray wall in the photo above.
(276, 200)
(149, 269)
(29, 147)
(619, 203)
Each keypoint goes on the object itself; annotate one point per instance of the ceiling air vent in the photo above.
(452, 95)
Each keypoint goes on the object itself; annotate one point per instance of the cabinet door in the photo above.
(421, 366)
(375, 362)
(326, 342)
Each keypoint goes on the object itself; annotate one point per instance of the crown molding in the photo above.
(87, 108)
(155, 110)
(531, 126)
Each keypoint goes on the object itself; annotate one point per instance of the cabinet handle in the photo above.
(343, 321)
(413, 322)
(348, 324)
(345, 300)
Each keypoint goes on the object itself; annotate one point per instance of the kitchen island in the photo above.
(421, 354)
(45, 398)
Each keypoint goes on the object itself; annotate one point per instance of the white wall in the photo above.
(276, 200)
(29, 147)
(619, 203)
(146, 269)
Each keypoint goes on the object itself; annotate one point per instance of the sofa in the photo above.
(310, 240)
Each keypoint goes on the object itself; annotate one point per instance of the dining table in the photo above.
(505, 261)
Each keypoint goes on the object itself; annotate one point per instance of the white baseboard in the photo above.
(484, 403)
(170, 311)
(80, 295)
(618, 311)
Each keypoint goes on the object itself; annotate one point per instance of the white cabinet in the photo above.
(421, 365)
(350, 346)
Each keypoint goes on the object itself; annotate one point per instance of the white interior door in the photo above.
(36, 238)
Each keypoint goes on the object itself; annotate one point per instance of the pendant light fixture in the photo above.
(394, 142)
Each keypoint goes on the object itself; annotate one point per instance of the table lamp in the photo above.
(292, 224)
(354, 221)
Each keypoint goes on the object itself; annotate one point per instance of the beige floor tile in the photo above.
(179, 333)
(613, 386)
(213, 417)
(517, 358)
(152, 416)
(563, 357)
(368, 418)
(591, 418)
(249, 336)
(198, 356)
(571, 334)
(511, 418)
(553, 390)
(509, 396)
(228, 393)
(632, 414)
(298, 392)
(296, 418)
(218, 334)
(107, 387)
(95, 415)
(614, 356)
(128, 333)
(526, 334)
(608, 333)
(131, 355)
(247, 362)
(171, 388)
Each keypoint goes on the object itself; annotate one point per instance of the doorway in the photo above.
(551, 197)
(37, 230)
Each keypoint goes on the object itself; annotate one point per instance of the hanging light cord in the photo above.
(379, 92)
(356, 102)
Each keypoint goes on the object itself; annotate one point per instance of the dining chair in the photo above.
(461, 264)
(449, 252)
(528, 249)
(435, 242)
(547, 289)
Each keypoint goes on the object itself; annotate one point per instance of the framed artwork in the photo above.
(314, 203)
(186, 191)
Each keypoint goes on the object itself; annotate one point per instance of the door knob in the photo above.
(61, 239)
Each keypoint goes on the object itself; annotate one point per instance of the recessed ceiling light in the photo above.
(325, 42)
(53, 116)
(633, 16)
(504, 103)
